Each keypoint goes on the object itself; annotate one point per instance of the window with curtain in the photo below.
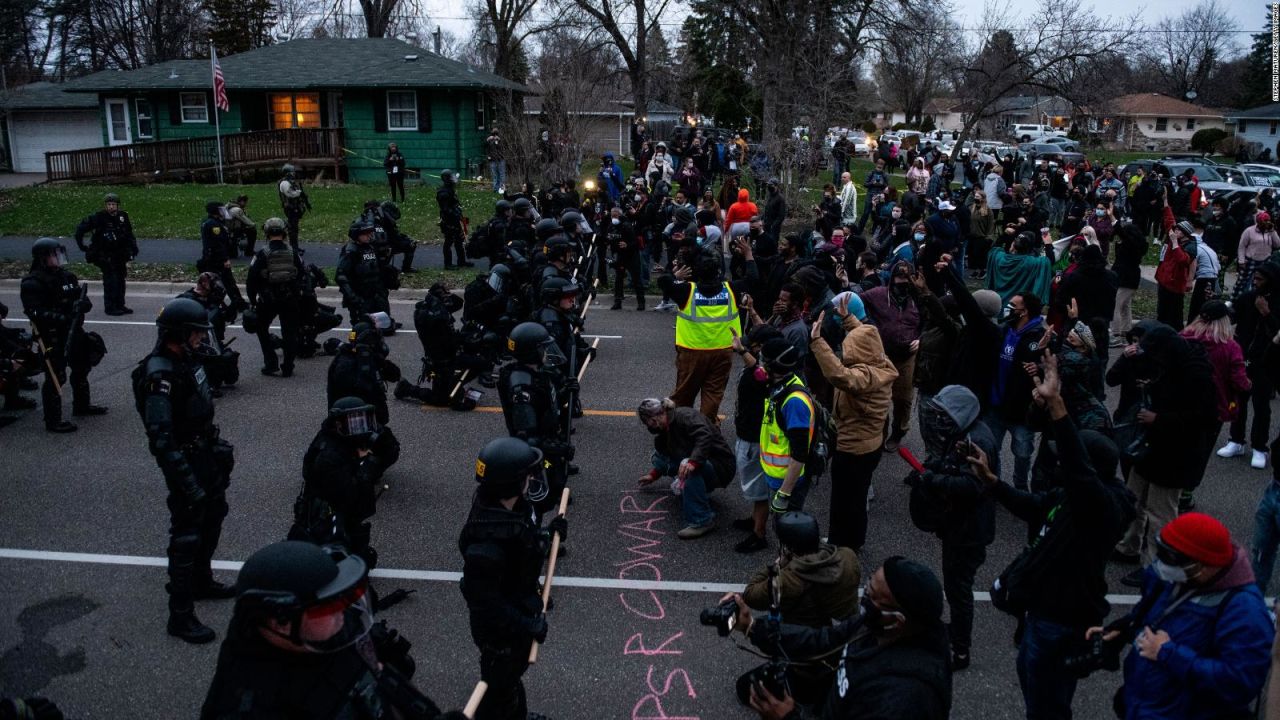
(146, 129)
(295, 110)
(402, 110)
(194, 107)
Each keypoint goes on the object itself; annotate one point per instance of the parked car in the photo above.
(1260, 166)
(1052, 152)
(1255, 177)
(1061, 141)
(1025, 133)
(1204, 173)
(1231, 192)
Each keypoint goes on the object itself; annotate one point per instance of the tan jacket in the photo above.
(863, 382)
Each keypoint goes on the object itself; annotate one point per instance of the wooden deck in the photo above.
(199, 156)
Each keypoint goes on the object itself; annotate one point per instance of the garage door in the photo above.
(32, 134)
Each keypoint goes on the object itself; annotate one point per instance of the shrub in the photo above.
(1207, 140)
(869, 127)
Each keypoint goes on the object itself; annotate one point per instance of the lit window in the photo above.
(295, 110)
(1162, 124)
(195, 108)
(402, 110)
(146, 130)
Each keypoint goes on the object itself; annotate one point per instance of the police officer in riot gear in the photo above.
(557, 254)
(502, 549)
(273, 285)
(172, 396)
(221, 364)
(451, 220)
(293, 201)
(388, 218)
(496, 232)
(359, 370)
(442, 362)
(215, 250)
(531, 390)
(520, 227)
(302, 643)
(111, 249)
(557, 315)
(340, 475)
(359, 275)
(55, 304)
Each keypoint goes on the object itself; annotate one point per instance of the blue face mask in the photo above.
(919, 237)
(1099, 213)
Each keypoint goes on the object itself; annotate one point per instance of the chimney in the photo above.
(437, 34)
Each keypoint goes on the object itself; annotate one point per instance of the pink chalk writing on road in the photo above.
(668, 690)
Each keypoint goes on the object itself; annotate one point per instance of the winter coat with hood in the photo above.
(1091, 285)
(1254, 330)
(978, 342)
(1182, 396)
(1219, 650)
(742, 210)
(937, 341)
(1075, 524)
(1230, 378)
(896, 317)
(863, 382)
(816, 589)
(1257, 245)
(970, 517)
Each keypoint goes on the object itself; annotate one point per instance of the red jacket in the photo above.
(1173, 269)
(1229, 377)
(741, 211)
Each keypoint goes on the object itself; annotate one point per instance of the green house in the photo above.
(318, 102)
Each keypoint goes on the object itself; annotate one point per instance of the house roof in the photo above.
(1015, 103)
(45, 96)
(311, 63)
(1262, 112)
(610, 108)
(1158, 105)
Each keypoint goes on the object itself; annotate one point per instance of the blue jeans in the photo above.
(1266, 535)
(694, 502)
(498, 171)
(1024, 442)
(1047, 689)
(868, 207)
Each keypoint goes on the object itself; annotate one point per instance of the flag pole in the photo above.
(217, 125)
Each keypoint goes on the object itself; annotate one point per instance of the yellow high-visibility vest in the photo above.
(775, 448)
(706, 323)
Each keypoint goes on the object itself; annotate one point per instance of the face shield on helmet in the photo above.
(552, 357)
(537, 488)
(339, 616)
(359, 422)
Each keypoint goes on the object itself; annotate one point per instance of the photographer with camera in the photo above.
(1057, 586)
(1201, 633)
(893, 656)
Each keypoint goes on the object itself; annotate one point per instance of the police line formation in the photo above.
(302, 641)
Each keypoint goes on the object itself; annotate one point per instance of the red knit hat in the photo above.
(1200, 537)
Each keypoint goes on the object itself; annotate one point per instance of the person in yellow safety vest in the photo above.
(706, 321)
(787, 432)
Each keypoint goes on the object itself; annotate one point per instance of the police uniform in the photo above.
(113, 246)
(531, 400)
(358, 370)
(215, 253)
(222, 364)
(360, 279)
(275, 274)
(51, 300)
(451, 221)
(293, 201)
(172, 395)
(339, 494)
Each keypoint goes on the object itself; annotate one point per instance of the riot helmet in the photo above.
(288, 170)
(571, 222)
(530, 343)
(353, 418)
(299, 593)
(360, 228)
(390, 209)
(110, 198)
(274, 227)
(502, 207)
(556, 289)
(179, 318)
(504, 467)
(797, 532)
(499, 278)
(213, 208)
(47, 247)
(557, 247)
(522, 206)
(546, 229)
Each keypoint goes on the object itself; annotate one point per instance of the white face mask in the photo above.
(1169, 573)
(616, 221)
(637, 197)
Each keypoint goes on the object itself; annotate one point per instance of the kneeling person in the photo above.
(688, 448)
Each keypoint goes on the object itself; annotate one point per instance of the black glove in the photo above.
(536, 627)
(496, 667)
(571, 385)
(560, 526)
(83, 305)
(559, 450)
(913, 479)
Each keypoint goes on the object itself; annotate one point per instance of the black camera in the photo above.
(721, 617)
(1099, 654)
(772, 675)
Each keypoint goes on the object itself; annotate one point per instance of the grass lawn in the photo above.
(176, 211)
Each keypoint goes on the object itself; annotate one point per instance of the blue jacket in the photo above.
(611, 179)
(1218, 655)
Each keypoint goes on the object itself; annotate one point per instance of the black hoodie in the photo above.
(1182, 395)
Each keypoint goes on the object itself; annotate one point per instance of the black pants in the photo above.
(113, 274)
(246, 238)
(292, 219)
(1169, 308)
(193, 537)
(453, 240)
(1260, 395)
(1200, 294)
(502, 668)
(49, 396)
(850, 481)
(396, 181)
(405, 245)
(628, 264)
(290, 323)
(960, 564)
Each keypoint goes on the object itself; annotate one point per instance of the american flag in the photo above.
(219, 84)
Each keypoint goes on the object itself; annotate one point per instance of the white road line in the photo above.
(273, 327)
(442, 575)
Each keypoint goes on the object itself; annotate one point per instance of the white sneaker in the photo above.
(1259, 461)
(1231, 449)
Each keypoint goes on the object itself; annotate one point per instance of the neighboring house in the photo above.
(607, 126)
(1258, 128)
(1006, 112)
(1155, 122)
(944, 112)
(362, 93)
(40, 118)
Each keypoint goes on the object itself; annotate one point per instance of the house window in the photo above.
(402, 110)
(146, 130)
(479, 112)
(195, 107)
(295, 110)
(1162, 124)
(1273, 127)
(1191, 124)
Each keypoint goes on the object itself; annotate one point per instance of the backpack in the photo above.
(279, 266)
(824, 434)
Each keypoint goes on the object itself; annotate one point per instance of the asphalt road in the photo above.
(88, 630)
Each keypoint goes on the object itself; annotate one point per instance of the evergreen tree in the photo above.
(1256, 85)
(716, 63)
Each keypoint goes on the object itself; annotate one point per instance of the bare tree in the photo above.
(914, 58)
(629, 24)
(510, 24)
(297, 18)
(1185, 50)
